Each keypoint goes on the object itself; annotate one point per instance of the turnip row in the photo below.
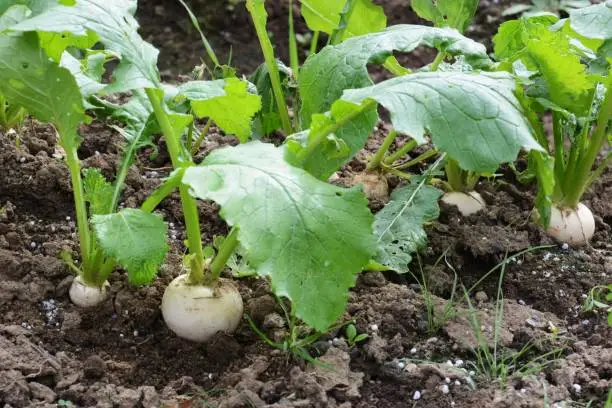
(308, 237)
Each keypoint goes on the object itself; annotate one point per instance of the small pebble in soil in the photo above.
(22, 159)
(458, 363)
(49, 307)
(521, 302)
(565, 246)
(447, 380)
(374, 327)
(472, 373)
(445, 389)
(413, 350)
(401, 365)
(449, 363)
(457, 382)
(33, 245)
(135, 333)
(121, 335)
(452, 403)
(523, 390)
(417, 395)
(67, 218)
(577, 388)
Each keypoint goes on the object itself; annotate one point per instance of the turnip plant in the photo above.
(292, 227)
(36, 75)
(469, 115)
(564, 68)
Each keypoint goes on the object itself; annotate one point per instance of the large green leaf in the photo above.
(399, 225)
(47, 91)
(475, 117)
(226, 101)
(113, 23)
(309, 237)
(594, 21)
(135, 239)
(327, 74)
(324, 15)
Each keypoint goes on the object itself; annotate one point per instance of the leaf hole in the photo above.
(25, 65)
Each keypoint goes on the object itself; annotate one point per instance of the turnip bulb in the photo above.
(574, 226)
(375, 186)
(84, 295)
(198, 312)
(467, 203)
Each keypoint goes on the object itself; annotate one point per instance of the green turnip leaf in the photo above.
(226, 101)
(47, 91)
(309, 237)
(339, 147)
(113, 23)
(98, 191)
(594, 21)
(452, 13)
(135, 239)
(475, 117)
(327, 74)
(427, 10)
(89, 85)
(269, 116)
(35, 6)
(324, 15)
(13, 15)
(399, 225)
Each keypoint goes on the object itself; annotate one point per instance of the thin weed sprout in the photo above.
(495, 363)
(299, 338)
(436, 321)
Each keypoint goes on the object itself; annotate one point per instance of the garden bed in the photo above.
(123, 355)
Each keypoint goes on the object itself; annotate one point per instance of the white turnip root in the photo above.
(574, 226)
(197, 312)
(467, 203)
(84, 295)
(375, 186)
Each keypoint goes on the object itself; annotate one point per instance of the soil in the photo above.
(122, 355)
